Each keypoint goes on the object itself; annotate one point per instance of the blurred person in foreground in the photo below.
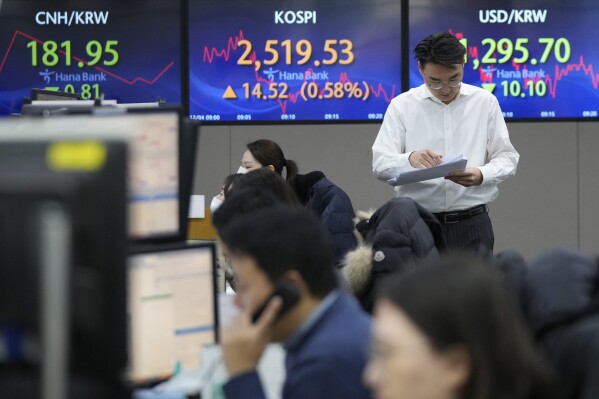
(450, 330)
(323, 330)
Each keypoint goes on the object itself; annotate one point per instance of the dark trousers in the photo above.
(472, 234)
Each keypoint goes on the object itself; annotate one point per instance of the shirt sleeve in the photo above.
(388, 152)
(501, 158)
(244, 386)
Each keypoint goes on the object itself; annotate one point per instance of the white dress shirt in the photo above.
(472, 124)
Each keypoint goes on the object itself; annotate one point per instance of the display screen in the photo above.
(284, 60)
(127, 51)
(153, 174)
(153, 162)
(536, 57)
(171, 310)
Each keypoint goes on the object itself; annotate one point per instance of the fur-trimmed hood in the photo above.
(396, 235)
(357, 264)
(357, 269)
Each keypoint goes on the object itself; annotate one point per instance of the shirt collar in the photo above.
(308, 324)
(425, 92)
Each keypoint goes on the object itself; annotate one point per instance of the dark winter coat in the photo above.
(562, 296)
(333, 207)
(395, 236)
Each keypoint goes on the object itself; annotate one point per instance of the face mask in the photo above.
(215, 204)
(242, 170)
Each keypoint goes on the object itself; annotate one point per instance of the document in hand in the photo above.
(412, 175)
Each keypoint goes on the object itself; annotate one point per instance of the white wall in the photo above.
(553, 201)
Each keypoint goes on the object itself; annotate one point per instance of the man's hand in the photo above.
(425, 159)
(468, 177)
(243, 342)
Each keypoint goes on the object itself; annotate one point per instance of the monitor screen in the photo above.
(62, 267)
(154, 176)
(127, 51)
(172, 309)
(536, 57)
(291, 61)
(153, 164)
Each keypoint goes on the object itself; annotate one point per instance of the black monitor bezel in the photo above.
(186, 160)
(104, 274)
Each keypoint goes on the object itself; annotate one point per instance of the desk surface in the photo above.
(201, 229)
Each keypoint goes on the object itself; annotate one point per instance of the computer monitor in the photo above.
(189, 131)
(154, 179)
(62, 267)
(154, 182)
(172, 309)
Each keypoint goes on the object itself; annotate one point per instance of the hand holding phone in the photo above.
(289, 294)
(243, 342)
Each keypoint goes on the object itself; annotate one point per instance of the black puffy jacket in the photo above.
(397, 234)
(562, 306)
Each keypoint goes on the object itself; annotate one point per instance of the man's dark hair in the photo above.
(244, 201)
(266, 180)
(282, 239)
(441, 48)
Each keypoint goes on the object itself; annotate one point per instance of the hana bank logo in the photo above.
(46, 75)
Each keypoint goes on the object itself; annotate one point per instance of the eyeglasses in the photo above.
(453, 84)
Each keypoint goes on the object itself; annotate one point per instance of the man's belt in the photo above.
(458, 216)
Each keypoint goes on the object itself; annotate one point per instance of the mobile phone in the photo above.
(289, 294)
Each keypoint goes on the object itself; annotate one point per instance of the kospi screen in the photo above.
(128, 51)
(289, 60)
(539, 58)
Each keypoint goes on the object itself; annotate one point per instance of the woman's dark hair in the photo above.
(267, 152)
(229, 182)
(265, 180)
(461, 300)
(441, 48)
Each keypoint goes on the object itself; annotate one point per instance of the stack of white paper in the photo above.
(452, 163)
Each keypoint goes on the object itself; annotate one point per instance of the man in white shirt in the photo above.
(441, 118)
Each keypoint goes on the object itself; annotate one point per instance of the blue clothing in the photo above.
(298, 335)
(327, 361)
(334, 209)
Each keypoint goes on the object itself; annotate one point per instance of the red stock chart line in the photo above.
(551, 79)
(109, 73)
(210, 53)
